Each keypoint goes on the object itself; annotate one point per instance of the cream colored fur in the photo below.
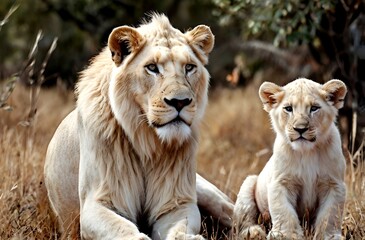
(124, 159)
(304, 178)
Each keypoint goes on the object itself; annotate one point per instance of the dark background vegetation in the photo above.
(330, 30)
(45, 43)
(82, 28)
(320, 39)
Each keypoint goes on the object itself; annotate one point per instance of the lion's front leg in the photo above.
(329, 217)
(180, 224)
(285, 221)
(99, 218)
(99, 222)
(214, 201)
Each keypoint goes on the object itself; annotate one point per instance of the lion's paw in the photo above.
(184, 236)
(253, 232)
(141, 236)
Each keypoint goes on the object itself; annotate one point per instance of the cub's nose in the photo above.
(178, 104)
(301, 130)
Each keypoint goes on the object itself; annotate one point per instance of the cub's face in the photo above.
(166, 78)
(303, 110)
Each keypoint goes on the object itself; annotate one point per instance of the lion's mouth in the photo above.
(175, 121)
(301, 138)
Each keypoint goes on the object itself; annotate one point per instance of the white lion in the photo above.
(124, 159)
(304, 179)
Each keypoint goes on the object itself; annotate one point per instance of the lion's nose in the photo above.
(178, 104)
(301, 130)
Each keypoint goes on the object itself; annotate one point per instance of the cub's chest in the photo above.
(306, 183)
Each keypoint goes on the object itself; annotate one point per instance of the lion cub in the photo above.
(304, 179)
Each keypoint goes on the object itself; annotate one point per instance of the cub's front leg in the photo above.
(285, 221)
(180, 224)
(245, 212)
(329, 218)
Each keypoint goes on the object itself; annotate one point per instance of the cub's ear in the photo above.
(270, 95)
(335, 92)
(123, 41)
(201, 39)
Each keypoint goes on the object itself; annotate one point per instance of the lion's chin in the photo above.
(302, 144)
(174, 132)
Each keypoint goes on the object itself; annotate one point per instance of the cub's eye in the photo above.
(189, 68)
(315, 108)
(152, 68)
(288, 108)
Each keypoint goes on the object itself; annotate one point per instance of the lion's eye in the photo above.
(152, 68)
(288, 108)
(189, 68)
(315, 108)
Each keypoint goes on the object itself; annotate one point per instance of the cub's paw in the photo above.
(327, 236)
(273, 235)
(253, 232)
(184, 236)
(333, 237)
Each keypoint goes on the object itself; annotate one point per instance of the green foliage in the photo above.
(288, 22)
(82, 28)
(19, 31)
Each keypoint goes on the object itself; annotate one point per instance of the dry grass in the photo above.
(24, 210)
(236, 141)
(236, 138)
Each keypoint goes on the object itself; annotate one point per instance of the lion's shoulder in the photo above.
(92, 96)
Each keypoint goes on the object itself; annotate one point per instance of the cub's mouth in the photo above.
(176, 121)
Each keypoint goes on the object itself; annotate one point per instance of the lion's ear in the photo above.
(335, 92)
(201, 39)
(270, 95)
(123, 41)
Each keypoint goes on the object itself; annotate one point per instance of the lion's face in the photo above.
(164, 74)
(302, 111)
(169, 84)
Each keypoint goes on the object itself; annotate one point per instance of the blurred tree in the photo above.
(20, 31)
(285, 23)
(82, 28)
(322, 25)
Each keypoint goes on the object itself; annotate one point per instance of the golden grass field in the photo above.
(236, 140)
